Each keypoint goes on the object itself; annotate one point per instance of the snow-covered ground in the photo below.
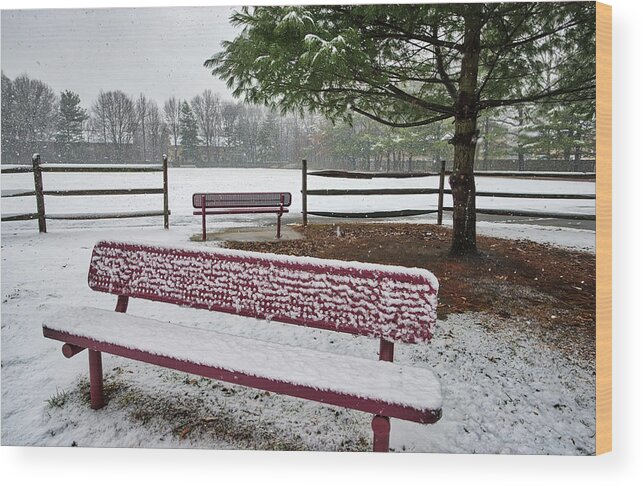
(504, 390)
(185, 181)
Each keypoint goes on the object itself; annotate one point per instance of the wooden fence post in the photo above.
(304, 190)
(40, 199)
(441, 193)
(166, 203)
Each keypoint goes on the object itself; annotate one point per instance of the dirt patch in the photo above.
(553, 287)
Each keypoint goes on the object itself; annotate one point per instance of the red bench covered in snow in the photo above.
(227, 203)
(391, 304)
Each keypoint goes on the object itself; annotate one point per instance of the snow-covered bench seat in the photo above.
(384, 302)
(235, 203)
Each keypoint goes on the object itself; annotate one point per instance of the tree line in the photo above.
(207, 130)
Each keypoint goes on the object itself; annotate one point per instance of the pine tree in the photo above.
(411, 65)
(71, 118)
(189, 134)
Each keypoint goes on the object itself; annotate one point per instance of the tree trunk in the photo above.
(465, 139)
(463, 187)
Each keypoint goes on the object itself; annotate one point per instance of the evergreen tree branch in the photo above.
(383, 121)
(586, 92)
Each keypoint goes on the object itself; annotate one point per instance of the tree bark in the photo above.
(463, 188)
(464, 141)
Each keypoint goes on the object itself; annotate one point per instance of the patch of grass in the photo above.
(205, 414)
(59, 399)
(189, 417)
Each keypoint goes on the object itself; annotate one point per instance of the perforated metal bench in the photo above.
(391, 304)
(231, 203)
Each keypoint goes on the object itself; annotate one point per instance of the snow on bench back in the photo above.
(236, 200)
(389, 302)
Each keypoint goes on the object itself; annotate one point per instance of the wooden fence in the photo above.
(39, 192)
(440, 191)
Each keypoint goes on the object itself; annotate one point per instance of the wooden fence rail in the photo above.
(497, 194)
(440, 191)
(39, 192)
(332, 173)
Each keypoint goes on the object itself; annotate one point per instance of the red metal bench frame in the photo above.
(126, 269)
(237, 203)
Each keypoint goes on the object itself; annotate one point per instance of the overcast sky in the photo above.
(156, 51)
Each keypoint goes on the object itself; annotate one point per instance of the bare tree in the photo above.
(99, 116)
(141, 113)
(9, 130)
(207, 111)
(91, 130)
(230, 113)
(157, 133)
(115, 114)
(172, 114)
(35, 109)
(249, 124)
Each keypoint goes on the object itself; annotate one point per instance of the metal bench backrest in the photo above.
(240, 200)
(387, 302)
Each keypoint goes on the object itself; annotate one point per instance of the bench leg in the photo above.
(381, 427)
(97, 400)
(203, 225)
(278, 225)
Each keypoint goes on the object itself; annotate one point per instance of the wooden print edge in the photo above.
(603, 228)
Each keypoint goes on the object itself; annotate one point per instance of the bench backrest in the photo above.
(240, 200)
(388, 302)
